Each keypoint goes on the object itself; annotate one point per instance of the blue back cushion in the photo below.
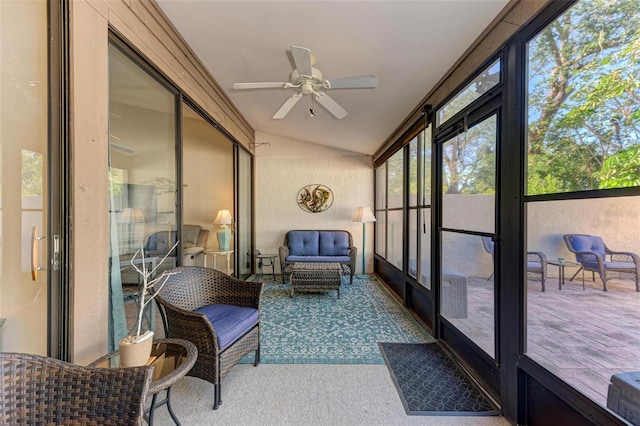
(303, 243)
(334, 243)
(588, 243)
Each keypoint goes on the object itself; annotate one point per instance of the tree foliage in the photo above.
(583, 96)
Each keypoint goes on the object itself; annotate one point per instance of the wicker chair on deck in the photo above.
(536, 261)
(220, 314)
(36, 389)
(594, 255)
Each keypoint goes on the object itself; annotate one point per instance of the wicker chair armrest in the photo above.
(624, 256)
(538, 256)
(283, 252)
(353, 253)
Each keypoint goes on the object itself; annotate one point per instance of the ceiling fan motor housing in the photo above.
(307, 83)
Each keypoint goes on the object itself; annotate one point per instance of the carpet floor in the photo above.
(430, 383)
(318, 328)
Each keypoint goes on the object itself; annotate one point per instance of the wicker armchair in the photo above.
(184, 304)
(39, 390)
(594, 255)
(536, 261)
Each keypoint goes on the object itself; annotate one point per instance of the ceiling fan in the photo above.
(307, 80)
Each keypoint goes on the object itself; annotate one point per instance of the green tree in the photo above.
(583, 94)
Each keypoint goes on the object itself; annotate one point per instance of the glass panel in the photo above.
(424, 235)
(424, 140)
(395, 180)
(381, 187)
(413, 171)
(579, 332)
(395, 238)
(583, 92)
(480, 85)
(23, 175)
(207, 156)
(381, 232)
(467, 296)
(245, 225)
(142, 167)
(413, 238)
(469, 170)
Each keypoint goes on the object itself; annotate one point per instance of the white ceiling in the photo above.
(409, 44)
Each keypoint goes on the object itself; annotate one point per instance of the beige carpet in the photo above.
(311, 394)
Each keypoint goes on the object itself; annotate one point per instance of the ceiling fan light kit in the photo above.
(308, 80)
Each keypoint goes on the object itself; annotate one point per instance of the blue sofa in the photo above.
(317, 246)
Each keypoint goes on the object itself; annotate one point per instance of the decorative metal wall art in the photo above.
(315, 198)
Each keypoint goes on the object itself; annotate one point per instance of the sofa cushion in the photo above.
(303, 243)
(318, 259)
(230, 322)
(334, 243)
(190, 235)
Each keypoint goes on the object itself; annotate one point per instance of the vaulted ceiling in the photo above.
(409, 45)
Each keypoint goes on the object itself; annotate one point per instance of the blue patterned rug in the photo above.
(317, 328)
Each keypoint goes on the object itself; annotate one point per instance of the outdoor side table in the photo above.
(172, 359)
(561, 266)
(266, 260)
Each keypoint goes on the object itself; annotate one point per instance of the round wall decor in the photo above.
(315, 198)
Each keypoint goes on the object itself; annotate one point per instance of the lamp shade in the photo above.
(131, 215)
(364, 215)
(223, 217)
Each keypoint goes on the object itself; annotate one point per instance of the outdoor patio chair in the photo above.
(593, 255)
(536, 261)
(36, 389)
(220, 314)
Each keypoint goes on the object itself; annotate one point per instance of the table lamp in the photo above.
(224, 234)
(364, 215)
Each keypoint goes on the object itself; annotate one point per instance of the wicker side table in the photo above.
(317, 276)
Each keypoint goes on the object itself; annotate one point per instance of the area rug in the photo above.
(318, 328)
(431, 384)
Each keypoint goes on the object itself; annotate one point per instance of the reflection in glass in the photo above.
(381, 232)
(381, 187)
(245, 226)
(468, 178)
(394, 238)
(480, 85)
(583, 334)
(395, 176)
(467, 296)
(424, 142)
(413, 171)
(424, 235)
(142, 178)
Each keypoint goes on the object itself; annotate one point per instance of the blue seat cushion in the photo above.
(334, 243)
(230, 322)
(318, 259)
(534, 265)
(303, 243)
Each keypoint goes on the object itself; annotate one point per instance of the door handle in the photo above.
(35, 253)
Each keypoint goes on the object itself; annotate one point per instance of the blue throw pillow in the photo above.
(303, 243)
(334, 243)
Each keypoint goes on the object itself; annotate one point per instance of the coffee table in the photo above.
(172, 359)
(316, 276)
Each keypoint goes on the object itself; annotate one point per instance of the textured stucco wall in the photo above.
(279, 178)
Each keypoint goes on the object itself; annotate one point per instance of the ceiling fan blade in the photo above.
(302, 58)
(262, 85)
(331, 105)
(361, 82)
(286, 107)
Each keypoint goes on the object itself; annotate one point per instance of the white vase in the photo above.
(135, 352)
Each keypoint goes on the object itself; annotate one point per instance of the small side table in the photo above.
(561, 266)
(215, 254)
(266, 260)
(172, 359)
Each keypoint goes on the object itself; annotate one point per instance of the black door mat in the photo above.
(431, 384)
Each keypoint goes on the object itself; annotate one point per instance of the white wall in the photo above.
(286, 166)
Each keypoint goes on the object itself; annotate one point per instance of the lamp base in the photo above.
(224, 237)
(365, 277)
